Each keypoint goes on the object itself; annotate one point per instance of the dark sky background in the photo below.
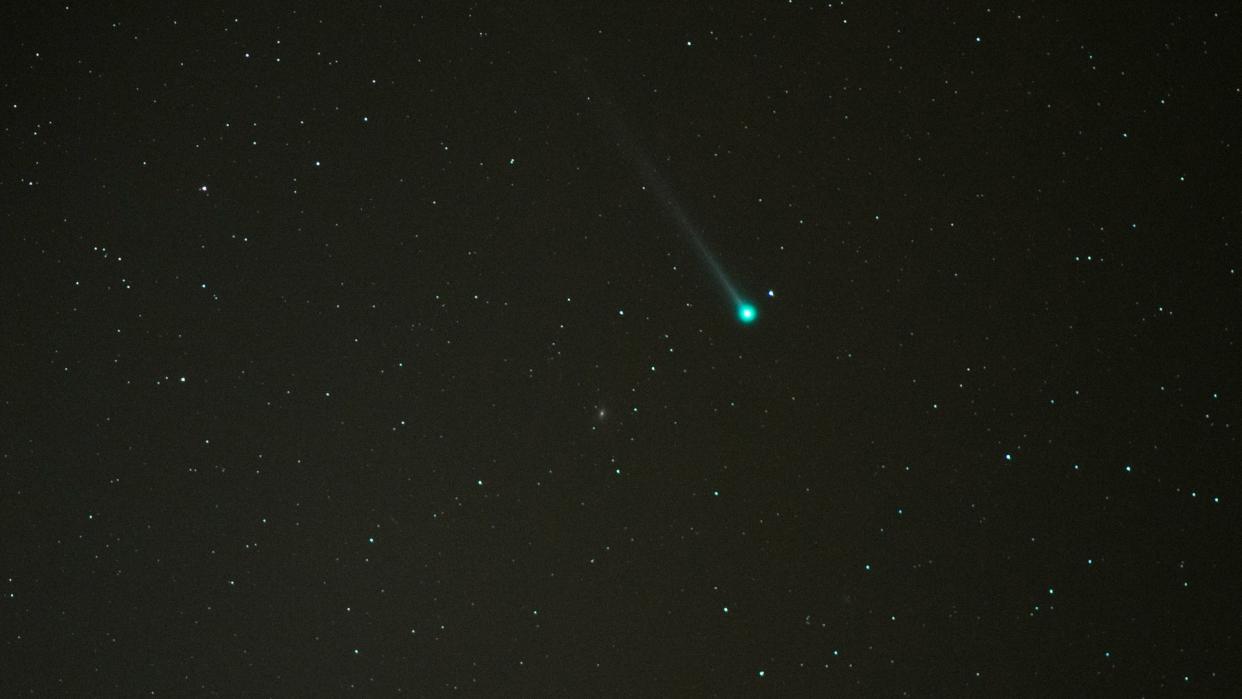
(347, 351)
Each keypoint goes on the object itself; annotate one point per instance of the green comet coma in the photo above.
(746, 313)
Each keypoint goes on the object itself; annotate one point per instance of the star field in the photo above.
(346, 353)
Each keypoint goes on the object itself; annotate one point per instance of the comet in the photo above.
(654, 182)
(747, 313)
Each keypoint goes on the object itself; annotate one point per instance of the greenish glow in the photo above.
(746, 313)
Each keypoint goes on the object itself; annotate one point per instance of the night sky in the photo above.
(380, 349)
